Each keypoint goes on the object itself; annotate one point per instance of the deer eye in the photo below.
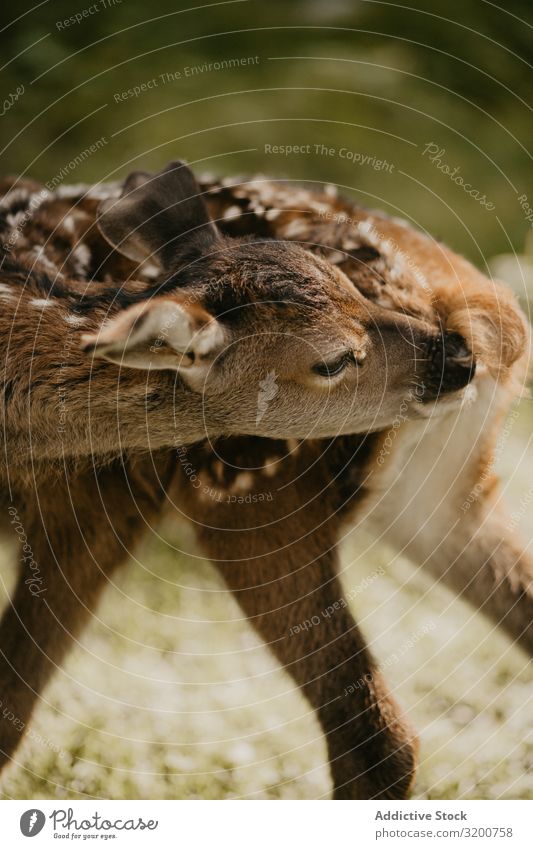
(334, 367)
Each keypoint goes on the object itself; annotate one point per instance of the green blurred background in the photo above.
(169, 694)
(379, 79)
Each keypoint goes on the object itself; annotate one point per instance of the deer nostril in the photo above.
(452, 365)
(455, 347)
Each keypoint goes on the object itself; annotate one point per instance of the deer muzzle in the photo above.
(451, 366)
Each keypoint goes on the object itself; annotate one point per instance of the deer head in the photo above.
(275, 340)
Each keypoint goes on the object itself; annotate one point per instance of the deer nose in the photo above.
(451, 365)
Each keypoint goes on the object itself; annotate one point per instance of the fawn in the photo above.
(204, 291)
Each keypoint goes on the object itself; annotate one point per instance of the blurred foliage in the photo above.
(378, 79)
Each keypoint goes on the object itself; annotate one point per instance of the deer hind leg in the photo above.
(280, 563)
(75, 531)
(440, 503)
(494, 572)
(480, 559)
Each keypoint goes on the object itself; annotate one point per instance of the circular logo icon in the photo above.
(32, 822)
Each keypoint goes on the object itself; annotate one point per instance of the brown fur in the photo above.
(284, 576)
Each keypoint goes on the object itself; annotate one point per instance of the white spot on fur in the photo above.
(297, 227)
(74, 320)
(150, 270)
(232, 212)
(81, 259)
(243, 482)
(402, 222)
(6, 292)
(42, 303)
(321, 208)
(350, 244)
(335, 257)
(100, 191)
(14, 196)
(270, 467)
(42, 259)
(15, 220)
(68, 224)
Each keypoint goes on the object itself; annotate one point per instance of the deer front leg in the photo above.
(279, 559)
(51, 602)
(74, 533)
(294, 601)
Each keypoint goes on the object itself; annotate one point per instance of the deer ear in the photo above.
(157, 217)
(163, 333)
